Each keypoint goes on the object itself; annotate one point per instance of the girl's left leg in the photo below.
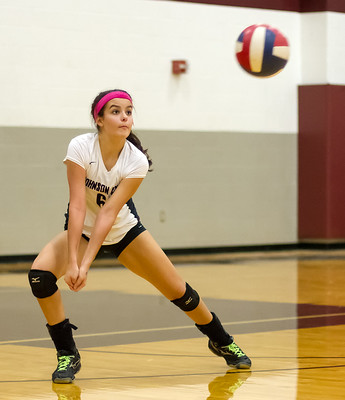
(144, 257)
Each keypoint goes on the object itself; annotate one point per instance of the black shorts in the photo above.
(108, 250)
(117, 248)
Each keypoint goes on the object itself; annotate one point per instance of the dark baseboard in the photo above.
(303, 245)
(230, 249)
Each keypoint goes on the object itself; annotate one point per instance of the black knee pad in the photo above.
(189, 301)
(43, 283)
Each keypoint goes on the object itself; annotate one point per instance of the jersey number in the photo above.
(101, 199)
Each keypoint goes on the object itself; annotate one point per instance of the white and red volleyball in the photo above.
(262, 50)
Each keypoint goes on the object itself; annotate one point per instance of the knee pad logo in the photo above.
(188, 301)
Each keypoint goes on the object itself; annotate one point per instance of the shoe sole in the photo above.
(240, 365)
(63, 381)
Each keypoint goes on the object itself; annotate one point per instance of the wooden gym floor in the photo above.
(285, 309)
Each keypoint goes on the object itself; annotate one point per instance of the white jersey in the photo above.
(100, 183)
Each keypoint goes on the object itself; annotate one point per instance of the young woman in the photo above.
(104, 170)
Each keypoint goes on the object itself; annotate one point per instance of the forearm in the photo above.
(75, 228)
(104, 221)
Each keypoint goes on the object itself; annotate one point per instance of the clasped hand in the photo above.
(76, 277)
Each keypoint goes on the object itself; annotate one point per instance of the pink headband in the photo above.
(117, 94)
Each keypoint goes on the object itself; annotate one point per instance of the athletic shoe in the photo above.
(224, 387)
(68, 365)
(233, 355)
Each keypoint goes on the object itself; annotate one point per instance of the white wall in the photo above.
(56, 56)
(323, 48)
(214, 133)
(336, 48)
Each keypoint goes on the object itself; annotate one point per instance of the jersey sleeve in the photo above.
(76, 152)
(135, 163)
(138, 169)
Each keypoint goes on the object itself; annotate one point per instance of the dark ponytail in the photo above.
(137, 143)
(132, 137)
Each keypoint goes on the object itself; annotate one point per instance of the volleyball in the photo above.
(262, 50)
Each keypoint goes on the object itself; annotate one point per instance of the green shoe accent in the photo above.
(235, 349)
(64, 362)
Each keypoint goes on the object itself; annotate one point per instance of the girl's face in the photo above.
(117, 118)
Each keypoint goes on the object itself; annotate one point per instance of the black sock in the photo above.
(215, 332)
(62, 337)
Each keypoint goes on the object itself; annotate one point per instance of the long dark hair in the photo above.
(131, 137)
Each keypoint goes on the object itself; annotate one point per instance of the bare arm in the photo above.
(104, 221)
(77, 210)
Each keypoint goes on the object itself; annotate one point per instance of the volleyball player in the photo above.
(104, 170)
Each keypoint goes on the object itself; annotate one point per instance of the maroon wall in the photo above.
(321, 170)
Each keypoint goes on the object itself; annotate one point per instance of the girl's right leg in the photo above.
(48, 267)
(50, 264)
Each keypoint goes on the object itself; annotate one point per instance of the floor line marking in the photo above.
(177, 328)
(239, 372)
